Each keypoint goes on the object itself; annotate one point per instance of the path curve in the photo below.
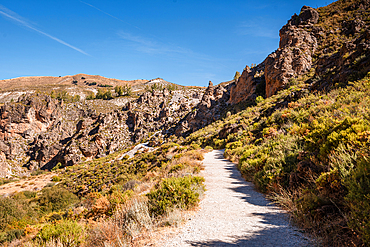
(233, 213)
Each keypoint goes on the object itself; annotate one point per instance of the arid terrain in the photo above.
(92, 161)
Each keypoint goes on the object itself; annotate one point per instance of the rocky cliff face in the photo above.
(28, 118)
(319, 48)
(330, 46)
(19, 124)
(38, 132)
(296, 48)
(250, 84)
(291, 59)
(350, 62)
(213, 103)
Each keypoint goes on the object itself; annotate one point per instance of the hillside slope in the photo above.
(298, 125)
(40, 132)
(39, 81)
(322, 48)
(82, 85)
(307, 144)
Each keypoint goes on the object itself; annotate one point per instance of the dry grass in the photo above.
(284, 198)
(37, 81)
(166, 227)
(129, 223)
(172, 218)
(190, 163)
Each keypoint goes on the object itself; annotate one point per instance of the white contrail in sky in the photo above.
(92, 6)
(15, 17)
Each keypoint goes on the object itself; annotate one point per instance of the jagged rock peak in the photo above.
(246, 86)
(308, 15)
(293, 58)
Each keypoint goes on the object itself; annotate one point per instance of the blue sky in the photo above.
(188, 42)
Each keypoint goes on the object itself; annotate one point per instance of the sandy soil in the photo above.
(31, 184)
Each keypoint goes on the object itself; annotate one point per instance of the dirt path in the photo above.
(31, 184)
(232, 213)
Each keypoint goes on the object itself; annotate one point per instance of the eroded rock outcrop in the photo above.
(211, 107)
(29, 117)
(20, 123)
(326, 52)
(250, 84)
(38, 132)
(294, 55)
(291, 59)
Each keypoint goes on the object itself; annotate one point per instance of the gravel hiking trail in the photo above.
(233, 213)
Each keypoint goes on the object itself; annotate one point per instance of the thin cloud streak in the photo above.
(15, 17)
(135, 39)
(92, 6)
(257, 29)
(155, 45)
(152, 47)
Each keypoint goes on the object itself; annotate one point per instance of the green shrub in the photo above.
(219, 143)
(5, 181)
(65, 96)
(358, 199)
(237, 75)
(104, 94)
(176, 168)
(325, 134)
(90, 96)
(56, 178)
(118, 90)
(68, 233)
(37, 172)
(125, 90)
(195, 154)
(54, 199)
(194, 146)
(261, 180)
(10, 235)
(175, 192)
(270, 162)
(11, 211)
(259, 99)
(154, 87)
(234, 145)
(24, 195)
(104, 85)
(309, 202)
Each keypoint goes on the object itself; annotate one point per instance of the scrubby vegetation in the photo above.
(65, 96)
(104, 94)
(307, 148)
(159, 87)
(171, 192)
(311, 154)
(108, 201)
(126, 90)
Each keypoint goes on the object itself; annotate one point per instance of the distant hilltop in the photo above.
(79, 84)
(79, 79)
